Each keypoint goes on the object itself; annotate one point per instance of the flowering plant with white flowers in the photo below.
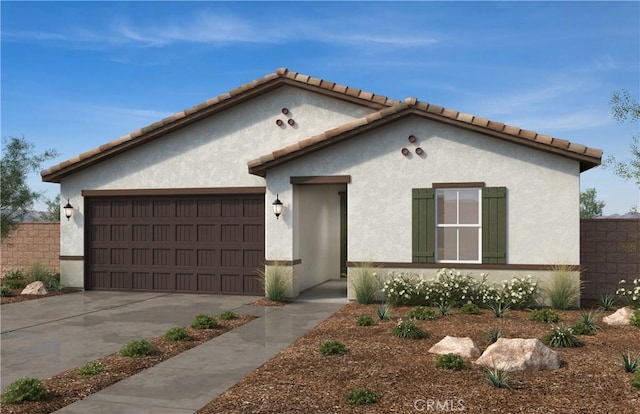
(450, 286)
(400, 289)
(520, 293)
(632, 295)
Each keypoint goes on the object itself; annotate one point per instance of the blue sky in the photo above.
(78, 74)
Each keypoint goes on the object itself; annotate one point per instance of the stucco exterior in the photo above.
(212, 153)
(543, 214)
(220, 151)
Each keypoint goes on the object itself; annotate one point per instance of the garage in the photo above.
(191, 244)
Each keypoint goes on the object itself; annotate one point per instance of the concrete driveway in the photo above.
(43, 337)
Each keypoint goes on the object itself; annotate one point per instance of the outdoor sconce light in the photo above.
(68, 210)
(277, 207)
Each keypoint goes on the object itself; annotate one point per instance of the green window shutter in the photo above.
(494, 225)
(424, 225)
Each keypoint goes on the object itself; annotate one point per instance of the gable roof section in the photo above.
(588, 157)
(280, 77)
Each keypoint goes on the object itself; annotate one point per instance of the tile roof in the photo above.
(219, 103)
(588, 157)
(387, 109)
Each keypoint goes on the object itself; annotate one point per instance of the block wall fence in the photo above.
(31, 242)
(609, 252)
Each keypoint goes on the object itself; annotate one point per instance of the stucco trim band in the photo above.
(71, 258)
(322, 179)
(173, 191)
(547, 267)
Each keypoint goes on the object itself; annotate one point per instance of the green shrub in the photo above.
(499, 308)
(5, 291)
(384, 312)
(588, 319)
(635, 318)
(13, 274)
(331, 347)
(451, 361)
(204, 321)
(635, 382)
(365, 320)
(422, 313)
(361, 396)
(629, 362)
(561, 337)
(38, 273)
(579, 328)
(493, 335)
(365, 283)
(90, 369)
(470, 309)
(544, 316)
(137, 348)
(607, 302)
(498, 378)
(24, 389)
(564, 289)
(276, 280)
(14, 282)
(227, 315)
(444, 307)
(176, 333)
(407, 329)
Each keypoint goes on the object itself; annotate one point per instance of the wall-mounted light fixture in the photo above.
(277, 207)
(68, 210)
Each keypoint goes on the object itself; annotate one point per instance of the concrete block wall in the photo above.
(609, 252)
(29, 243)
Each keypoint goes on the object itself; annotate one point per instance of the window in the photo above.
(459, 227)
(459, 223)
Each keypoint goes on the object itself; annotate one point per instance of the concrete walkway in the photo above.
(184, 383)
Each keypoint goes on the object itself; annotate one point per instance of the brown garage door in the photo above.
(209, 243)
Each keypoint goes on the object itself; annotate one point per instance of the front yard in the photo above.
(404, 375)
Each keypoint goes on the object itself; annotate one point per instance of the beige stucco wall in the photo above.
(542, 190)
(211, 153)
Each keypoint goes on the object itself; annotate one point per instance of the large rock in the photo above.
(620, 317)
(35, 288)
(465, 347)
(519, 354)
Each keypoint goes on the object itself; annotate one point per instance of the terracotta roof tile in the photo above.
(560, 143)
(327, 85)
(392, 106)
(511, 130)
(496, 126)
(435, 109)
(449, 113)
(497, 129)
(483, 122)
(468, 118)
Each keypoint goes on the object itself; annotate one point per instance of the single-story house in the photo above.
(185, 204)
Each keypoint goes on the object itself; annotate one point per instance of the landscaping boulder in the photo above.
(35, 288)
(519, 354)
(621, 317)
(465, 347)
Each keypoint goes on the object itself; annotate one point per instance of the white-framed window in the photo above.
(459, 225)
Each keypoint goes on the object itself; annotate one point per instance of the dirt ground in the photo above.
(403, 373)
(17, 297)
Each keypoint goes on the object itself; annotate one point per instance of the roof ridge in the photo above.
(516, 134)
(280, 73)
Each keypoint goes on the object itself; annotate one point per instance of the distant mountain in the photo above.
(629, 215)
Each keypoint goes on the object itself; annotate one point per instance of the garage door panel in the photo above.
(189, 244)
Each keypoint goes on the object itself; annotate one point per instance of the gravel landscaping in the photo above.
(401, 372)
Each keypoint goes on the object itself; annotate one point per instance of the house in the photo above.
(185, 204)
